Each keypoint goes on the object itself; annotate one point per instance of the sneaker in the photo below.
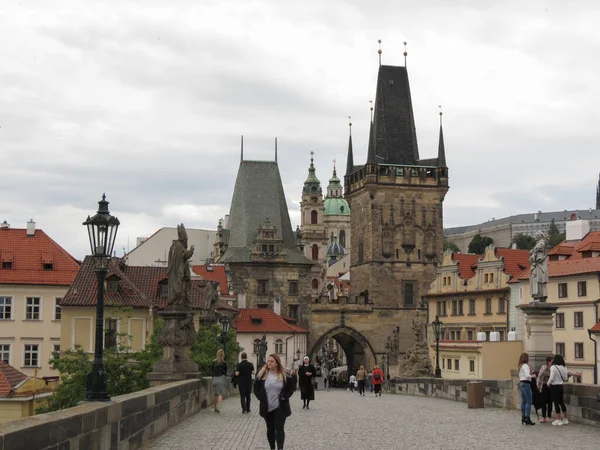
(557, 422)
(565, 421)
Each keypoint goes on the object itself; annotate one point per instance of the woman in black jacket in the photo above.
(273, 389)
(306, 377)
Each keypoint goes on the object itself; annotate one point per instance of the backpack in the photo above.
(376, 376)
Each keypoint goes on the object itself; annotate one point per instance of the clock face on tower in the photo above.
(314, 199)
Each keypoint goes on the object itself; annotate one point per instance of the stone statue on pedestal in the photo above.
(417, 362)
(538, 280)
(262, 351)
(178, 333)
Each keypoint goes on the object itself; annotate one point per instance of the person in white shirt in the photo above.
(558, 375)
(352, 381)
(525, 376)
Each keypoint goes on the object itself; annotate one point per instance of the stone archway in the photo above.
(356, 346)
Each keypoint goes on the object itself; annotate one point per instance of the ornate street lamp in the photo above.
(437, 331)
(225, 327)
(102, 231)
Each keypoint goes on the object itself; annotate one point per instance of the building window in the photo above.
(315, 283)
(456, 365)
(581, 288)
(293, 288)
(279, 346)
(262, 287)
(486, 278)
(578, 350)
(501, 304)
(488, 305)
(444, 312)
(443, 279)
(562, 290)
(314, 217)
(5, 353)
(32, 309)
(7, 264)
(57, 309)
(491, 277)
(56, 348)
(501, 334)
(409, 292)
(164, 289)
(560, 349)
(5, 308)
(454, 307)
(315, 252)
(343, 239)
(110, 333)
(293, 311)
(262, 305)
(449, 364)
(471, 366)
(560, 321)
(112, 285)
(48, 266)
(443, 363)
(578, 319)
(31, 355)
(472, 307)
(469, 335)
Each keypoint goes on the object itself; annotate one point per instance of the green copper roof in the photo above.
(312, 185)
(336, 207)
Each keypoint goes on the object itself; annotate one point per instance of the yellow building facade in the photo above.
(478, 360)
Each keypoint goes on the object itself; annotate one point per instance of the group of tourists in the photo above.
(372, 381)
(543, 389)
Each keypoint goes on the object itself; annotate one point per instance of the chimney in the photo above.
(575, 230)
(31, 228)
(4, 224)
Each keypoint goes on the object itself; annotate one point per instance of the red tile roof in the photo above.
(138, 287)
(269, 322)
(573, 249)
(596, 328)
(27, 254)
(567, 267)
(9, 378)
(514, 260)
(213, 273)
(466, 264)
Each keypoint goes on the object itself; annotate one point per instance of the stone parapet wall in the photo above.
(497, 393)
(127, 422)
(580, 399)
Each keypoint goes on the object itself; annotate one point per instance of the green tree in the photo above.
(555, 237)
(449, 245)
(207, 343)
(524, 241)
(479, 243)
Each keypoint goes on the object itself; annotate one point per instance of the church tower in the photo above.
(396, 202)
(337, 212)
(312, 221)
(598, 194)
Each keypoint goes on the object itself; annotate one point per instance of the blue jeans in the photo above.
(525, 398)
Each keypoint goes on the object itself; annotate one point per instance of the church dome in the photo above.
(335, 249)
(336, 207)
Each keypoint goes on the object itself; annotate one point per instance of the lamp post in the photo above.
(102, 232)
(225, 327)
(437, 331)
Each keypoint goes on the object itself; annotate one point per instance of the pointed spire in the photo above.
(379, 51)
(275, 149)
(405, 54)
(242, 150)
(441, 148)
(312, 185)
(598, 193)
(350, 157)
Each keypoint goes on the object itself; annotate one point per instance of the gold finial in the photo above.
(441, 114)
(350, 124)
(371, 108)
(379, 51)
(405, 53)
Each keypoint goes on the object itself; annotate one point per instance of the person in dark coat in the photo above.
(273, 389)
(243, 378)
(306, 377)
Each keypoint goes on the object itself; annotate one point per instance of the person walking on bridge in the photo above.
(273, 388)
(219, 379)
(306, 377)
(243, 377)
(361, 375)
(377, 376)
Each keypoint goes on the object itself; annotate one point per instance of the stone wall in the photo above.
(125, 423)
(498, 393)
(580, 399)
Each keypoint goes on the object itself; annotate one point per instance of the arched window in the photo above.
(313, 217)
(343, 238)
(315, 252)
(279, 346)
(315, 283)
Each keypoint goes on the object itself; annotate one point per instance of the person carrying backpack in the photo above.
(377, 376)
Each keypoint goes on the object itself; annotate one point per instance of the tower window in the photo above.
(314, 217)
(315, 252)
(315, 283)
(343, 237)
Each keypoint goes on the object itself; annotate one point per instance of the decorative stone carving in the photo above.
(538, 280)
(262, 351)
(417, 362)
(179, 272)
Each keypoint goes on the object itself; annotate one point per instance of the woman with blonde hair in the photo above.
(273, 388)
(219, 379)
(525, 376)
(361, 375)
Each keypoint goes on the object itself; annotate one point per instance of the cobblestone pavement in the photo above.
(342, 420)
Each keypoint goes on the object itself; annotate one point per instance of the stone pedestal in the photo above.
(539, 322)
(417, 362)
(176, 337)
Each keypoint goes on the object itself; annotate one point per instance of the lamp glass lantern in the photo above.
(225, 324)
(437, 328)
(102, 230)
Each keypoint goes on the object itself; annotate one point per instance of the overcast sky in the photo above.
(147, 100)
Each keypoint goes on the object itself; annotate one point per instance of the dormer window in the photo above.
(48, 266)
(7, 264)
(164, 289)
(112, 285)
(256, 321)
